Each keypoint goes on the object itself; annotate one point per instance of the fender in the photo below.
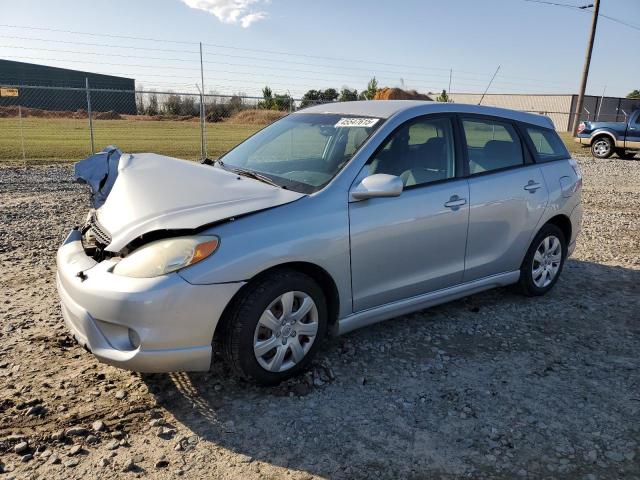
(608, 132)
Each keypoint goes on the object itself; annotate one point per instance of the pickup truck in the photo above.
(607, 138)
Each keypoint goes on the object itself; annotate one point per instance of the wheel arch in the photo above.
(563, 222)
(603, 133)
(317, 273)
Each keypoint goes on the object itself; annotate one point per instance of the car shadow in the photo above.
(440, 392)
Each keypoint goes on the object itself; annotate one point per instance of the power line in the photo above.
(459, 73)
(584, 8)
(473, 81)
(98, 34)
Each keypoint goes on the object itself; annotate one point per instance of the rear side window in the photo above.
(491, 145)
(547, 144)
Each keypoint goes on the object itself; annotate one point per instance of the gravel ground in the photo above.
(493, 386)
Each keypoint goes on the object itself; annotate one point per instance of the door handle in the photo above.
(532, 186)
(455, 202)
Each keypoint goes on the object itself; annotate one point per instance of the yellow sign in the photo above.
(8, 92)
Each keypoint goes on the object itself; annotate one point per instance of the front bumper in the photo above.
(173, 319)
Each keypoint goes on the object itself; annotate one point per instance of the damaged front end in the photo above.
(142, 197)
(99, 172)
(95, 238)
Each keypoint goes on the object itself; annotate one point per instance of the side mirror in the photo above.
(378, 185)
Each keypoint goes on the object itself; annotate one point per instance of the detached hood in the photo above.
(153, 192)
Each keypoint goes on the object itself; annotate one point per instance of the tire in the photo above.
(625, 155)
(602, 147)
(538, 264)
(255, 320)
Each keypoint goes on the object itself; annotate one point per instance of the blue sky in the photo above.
(297, 45)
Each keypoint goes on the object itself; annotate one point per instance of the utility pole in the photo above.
(203, 112)
(587, 63)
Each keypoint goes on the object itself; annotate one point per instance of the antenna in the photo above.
(490, 82)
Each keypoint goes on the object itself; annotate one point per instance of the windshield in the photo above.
(302, 152)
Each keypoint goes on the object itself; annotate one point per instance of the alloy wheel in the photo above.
(285, 331)
(601, 147)
(546, 261)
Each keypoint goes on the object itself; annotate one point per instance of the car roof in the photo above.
(388, 108)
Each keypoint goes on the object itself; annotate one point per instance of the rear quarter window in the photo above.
(546, 143)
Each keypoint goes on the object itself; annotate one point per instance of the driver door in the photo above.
(415, 243)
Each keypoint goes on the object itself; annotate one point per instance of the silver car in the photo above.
(331, 219)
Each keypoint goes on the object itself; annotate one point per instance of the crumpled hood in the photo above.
(154, 192)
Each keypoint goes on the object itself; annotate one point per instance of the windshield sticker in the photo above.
(356, 122)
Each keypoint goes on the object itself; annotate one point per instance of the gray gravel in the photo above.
(493, 386)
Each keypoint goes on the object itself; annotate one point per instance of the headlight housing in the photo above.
(166, 256)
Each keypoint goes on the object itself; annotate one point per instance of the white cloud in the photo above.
(248, 19)
(231, 11)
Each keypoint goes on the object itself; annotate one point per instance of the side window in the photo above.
(547, 144)
(638, 119)
(419, 152)
(491, 145)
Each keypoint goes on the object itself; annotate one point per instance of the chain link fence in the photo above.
(43, 124)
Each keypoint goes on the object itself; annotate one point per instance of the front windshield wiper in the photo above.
(250, 174)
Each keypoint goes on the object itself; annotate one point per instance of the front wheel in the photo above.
(274, 329)
(543, 262)
(602, 147)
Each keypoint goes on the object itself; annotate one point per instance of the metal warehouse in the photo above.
(560, 108)
(52, 88)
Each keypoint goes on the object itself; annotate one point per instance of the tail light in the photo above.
(576, 168)
(581, 127)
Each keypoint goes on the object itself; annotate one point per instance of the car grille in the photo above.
(99, 232)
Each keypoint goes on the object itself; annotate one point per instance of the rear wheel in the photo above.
(602, 147)
(625, 155)
(543, 262)
(273, 331)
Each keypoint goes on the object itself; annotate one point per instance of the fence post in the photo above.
(86, 82)
(24, 156)
(203, 140)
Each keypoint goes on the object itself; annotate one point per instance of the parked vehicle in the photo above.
(333, 218)
(607, 138)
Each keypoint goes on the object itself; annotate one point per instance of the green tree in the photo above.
(274, 101)
(173, 105)
(443, 97)
(635, 94)
(313, 97)
(370, 92)
(282, 102)
(267, 99)
(152, 104)
(347, 95)
(330, 95)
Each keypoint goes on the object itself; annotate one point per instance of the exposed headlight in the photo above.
(165, 256)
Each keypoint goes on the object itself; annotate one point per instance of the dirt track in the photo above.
(493, 386)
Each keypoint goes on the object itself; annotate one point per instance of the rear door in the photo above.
(507, 195)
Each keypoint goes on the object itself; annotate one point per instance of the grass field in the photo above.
(573, 147)
(67, 140)
(64, 139)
